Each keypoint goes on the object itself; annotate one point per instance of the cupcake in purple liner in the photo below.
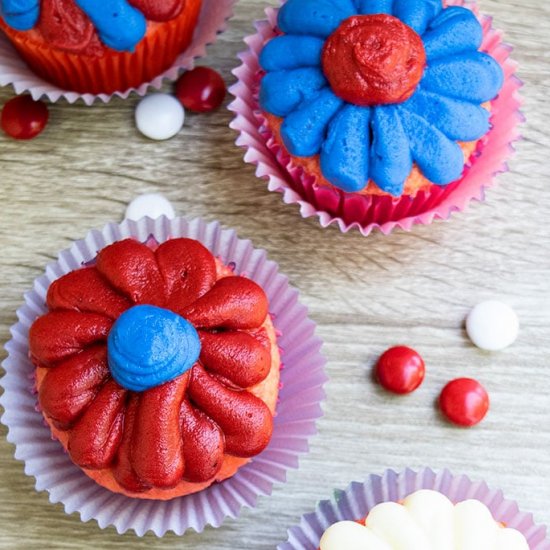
(424, 510)
(100, 398)
(376, 114)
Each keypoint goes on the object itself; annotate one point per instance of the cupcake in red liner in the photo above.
(81, 49)
(376, 114)
(425, 509)
(154, 348)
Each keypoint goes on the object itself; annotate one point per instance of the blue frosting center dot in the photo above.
(149, 346)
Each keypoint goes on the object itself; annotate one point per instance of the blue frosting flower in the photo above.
(380, 142)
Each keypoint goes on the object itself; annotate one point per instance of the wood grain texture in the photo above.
(365, 294)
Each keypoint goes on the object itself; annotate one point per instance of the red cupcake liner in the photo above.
(14, 71)
(366, 212)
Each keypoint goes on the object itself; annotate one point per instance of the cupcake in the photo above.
(374, 112)
(144, 385)
(157, 368)
(417, 510)
(95, 47)
(425, 519)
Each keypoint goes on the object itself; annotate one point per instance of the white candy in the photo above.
(150, 204)
(492, 325)
(159, 116)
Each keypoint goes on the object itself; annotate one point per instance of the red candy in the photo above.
(374, 60)
(24, 118)
(464, 402)
(201, 90)
(400, 370)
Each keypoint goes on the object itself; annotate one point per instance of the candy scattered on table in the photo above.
(464, 402)
(23, 117)
(159, 116)
(400, 370)
(201, 89)
(492, 325)
(153, 205)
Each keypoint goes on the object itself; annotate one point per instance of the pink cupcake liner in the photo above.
(352, 211)
(298, 409)
(359, 498)
(13, 70)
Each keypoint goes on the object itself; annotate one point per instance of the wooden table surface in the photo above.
(366, 294)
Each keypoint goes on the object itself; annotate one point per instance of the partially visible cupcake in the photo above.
(424, 520)
(93, 46)
(423, 510)
(157, 368)
(375, 110)
(154, 351)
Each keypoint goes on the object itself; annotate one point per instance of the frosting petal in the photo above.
(454, 30)
(86, 290)
(281, 92)
(368, 7)
(60, 334)
(235, 303)
(120, 26)
(303, 131)
(472, 76)
(156, 452)
(22, 15)
(458, 120)
(345, 152)
(417, 14)
(69, 387)
(391, 160)
(440, 159)
(314, 17)
(244, 359)
(291, 52)
(131, 268)
(244, 418)
(94, 441)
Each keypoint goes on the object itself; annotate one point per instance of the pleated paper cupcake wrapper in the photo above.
(14, 71)
(359, 498)
(351, 210)
(298, 409)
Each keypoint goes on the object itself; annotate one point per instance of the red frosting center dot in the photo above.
(374, 60)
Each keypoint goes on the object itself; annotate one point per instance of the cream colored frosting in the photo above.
(425, 520)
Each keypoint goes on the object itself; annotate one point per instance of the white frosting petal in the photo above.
(475, 527)
(426, 520)
(348, 535)
(434, 513)
(510, 539)
(383, 521)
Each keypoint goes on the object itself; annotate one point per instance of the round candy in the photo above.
(152, 205)
(159, 116)
(23, 117)
(464, 402)
(201, 89)
(400, 370)
(492, 325)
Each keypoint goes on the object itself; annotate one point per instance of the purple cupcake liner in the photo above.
(13, 69)
(359, 498)
(298, 409)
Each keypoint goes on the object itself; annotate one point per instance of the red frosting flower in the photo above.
(181, 430)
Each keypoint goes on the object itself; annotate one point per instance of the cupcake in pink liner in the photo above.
(65, 50)
(95, 379)
(423, 509)
(376, 114)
